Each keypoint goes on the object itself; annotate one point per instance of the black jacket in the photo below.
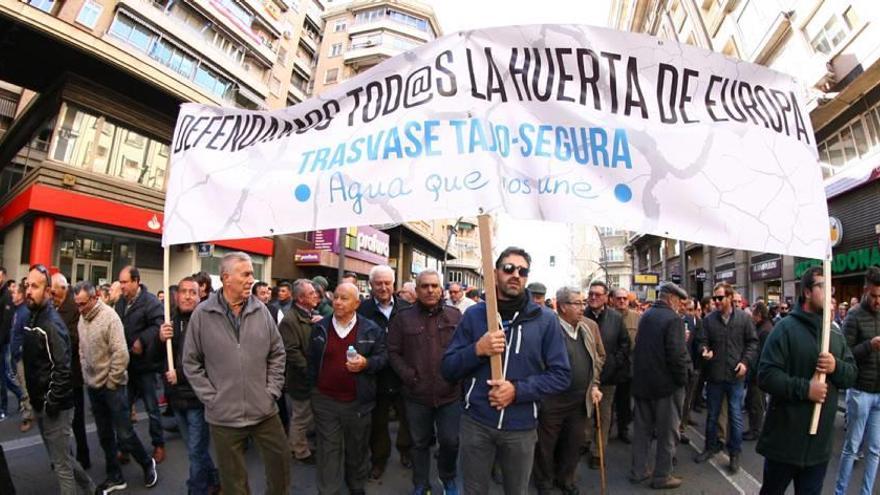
(861, 325)
(661, 360)
(46, 358)
(7, 311)
(369, 343)
(181, 396)
(388, 383)
(763, 330)
(142, 322)
(733, 343)
(694, 324)
(70, 316)
(615, 338)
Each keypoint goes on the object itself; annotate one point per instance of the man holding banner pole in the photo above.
(501, 415)
(788, 371)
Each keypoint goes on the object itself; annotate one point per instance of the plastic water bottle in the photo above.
(351, 354)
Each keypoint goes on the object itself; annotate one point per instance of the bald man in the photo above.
(62, 299)
(345, 391)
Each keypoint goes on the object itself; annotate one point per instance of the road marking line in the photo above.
(34, 440)
(742, 472)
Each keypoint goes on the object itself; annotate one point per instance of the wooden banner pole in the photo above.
(489, 285)
(166, 275)
(826, 338)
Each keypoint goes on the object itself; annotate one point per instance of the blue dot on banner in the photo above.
(623, 193)
(302, 193)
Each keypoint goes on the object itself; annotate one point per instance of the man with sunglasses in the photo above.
(500, 416)
(615, 338)
(46, 356)
(729, 345)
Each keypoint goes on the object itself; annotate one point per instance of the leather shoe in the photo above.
(704, 456)
(734, 463)
(25, 425)
(666, 484)
(637, 480)
(377, 472)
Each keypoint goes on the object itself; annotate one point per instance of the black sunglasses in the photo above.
(718, 298)
(509, 268)
(42, 269)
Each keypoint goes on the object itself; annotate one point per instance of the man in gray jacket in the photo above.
(234, 360)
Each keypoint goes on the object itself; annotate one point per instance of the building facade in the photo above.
(84, 150)
(833, 48)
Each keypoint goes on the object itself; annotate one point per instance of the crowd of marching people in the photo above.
(307, 375)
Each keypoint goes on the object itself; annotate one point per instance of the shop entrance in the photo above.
(96, 272)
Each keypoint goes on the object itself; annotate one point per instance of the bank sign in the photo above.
(851, 261)
(363, 243)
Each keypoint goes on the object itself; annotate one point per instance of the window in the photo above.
(331, 76)
(851, 18)
(44, 5)
(335, 49)
(282, 56)
(830, 36)
(854, 141)
(91, 142)
(275, 86)
(613, 254)
(170, 55)
(89, 14)
(339, 26)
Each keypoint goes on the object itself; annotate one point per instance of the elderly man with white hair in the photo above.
(381, 308)
(346, 352)
(234, 359)
(62, 299)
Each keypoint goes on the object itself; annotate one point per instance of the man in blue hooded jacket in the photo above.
(501, 416)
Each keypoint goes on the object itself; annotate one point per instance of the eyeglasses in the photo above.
(621, 298)
(718, 298)
(596, 294)
(575, 303)
(509, 268)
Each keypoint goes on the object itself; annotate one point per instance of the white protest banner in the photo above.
(556, 122)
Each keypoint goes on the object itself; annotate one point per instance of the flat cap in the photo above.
(537, 288)
(672, 288)
(322, 281)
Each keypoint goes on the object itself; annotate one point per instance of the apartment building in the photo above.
(84, 148)
(833, 48)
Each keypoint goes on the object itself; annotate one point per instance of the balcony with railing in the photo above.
(388, 19)
(230, 61)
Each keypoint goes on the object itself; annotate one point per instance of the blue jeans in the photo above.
(6, 382)
(113, 422)
(143, 386)
(862, 418)
(422, 419)
(194, 430)
(735, 392)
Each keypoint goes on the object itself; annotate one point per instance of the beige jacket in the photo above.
(103, 351)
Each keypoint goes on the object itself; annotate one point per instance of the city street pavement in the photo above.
(30, 468)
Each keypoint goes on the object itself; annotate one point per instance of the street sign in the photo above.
(206, 250)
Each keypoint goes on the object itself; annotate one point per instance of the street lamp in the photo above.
(451, 230)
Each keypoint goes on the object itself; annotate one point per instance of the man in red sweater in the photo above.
(345, 391)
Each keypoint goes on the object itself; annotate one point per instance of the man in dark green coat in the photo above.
(786, 371)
